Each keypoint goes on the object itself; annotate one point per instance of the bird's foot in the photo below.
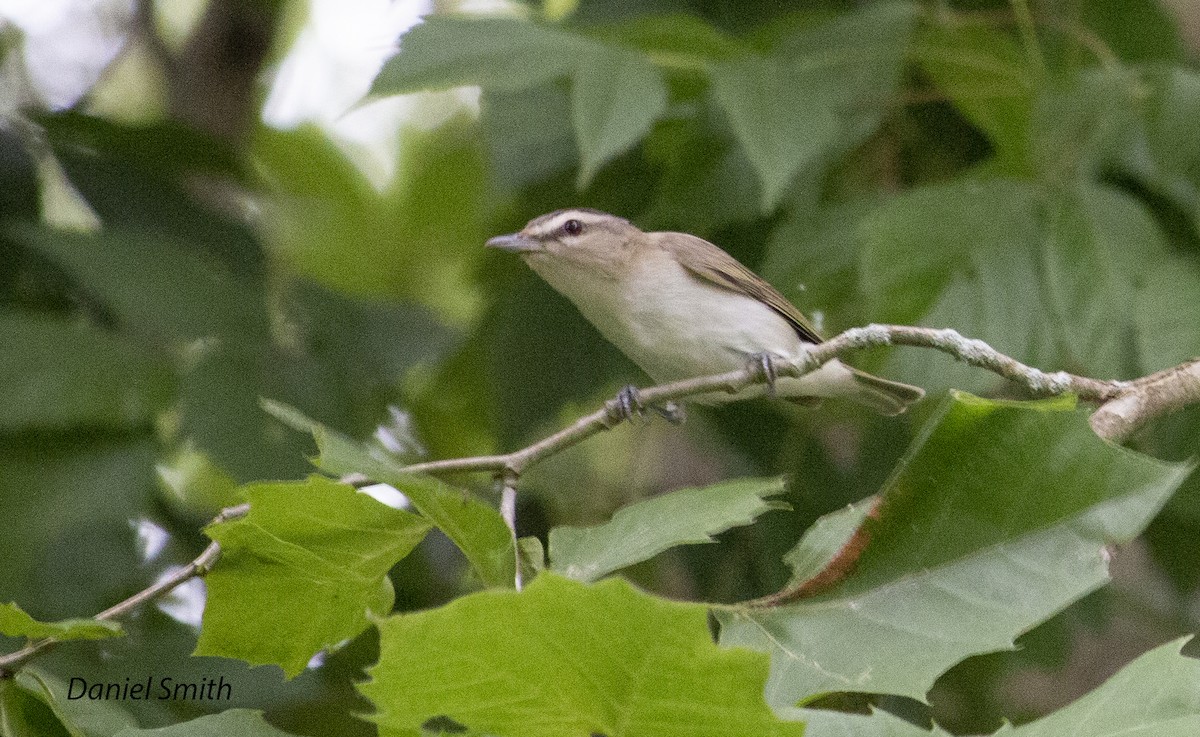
(628, 404)
(671, 412)
(763, 364)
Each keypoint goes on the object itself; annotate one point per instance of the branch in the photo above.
(1146, 398)
(1124, 407)
(202, 564)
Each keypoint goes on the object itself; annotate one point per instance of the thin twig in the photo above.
(202, 564)
(1124, 407)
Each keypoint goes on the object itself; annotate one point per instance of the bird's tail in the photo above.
(883, 396)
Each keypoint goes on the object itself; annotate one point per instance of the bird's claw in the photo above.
(671, 412)
(626, 405)
(763, 364)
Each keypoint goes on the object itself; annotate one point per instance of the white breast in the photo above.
(670, 322)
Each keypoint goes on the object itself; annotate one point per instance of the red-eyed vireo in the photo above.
(680, 307)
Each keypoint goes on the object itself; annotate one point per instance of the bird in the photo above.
(680, 307)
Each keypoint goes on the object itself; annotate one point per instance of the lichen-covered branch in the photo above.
(1124, 406)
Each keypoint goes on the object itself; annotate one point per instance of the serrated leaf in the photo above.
(779, 129)
(1158, 694)
(615, 97)
(475, 527)
(640, 531)
(563, 659)
(60, 375)
(302, 571)
(14, 622)
(996, 520)
(242, 722)
(496, 53)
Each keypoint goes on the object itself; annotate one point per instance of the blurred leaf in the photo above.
(781, 129)
(1137, 30)
(813, 257)
(528, 134)
(242, 722)
(960, 255)
(852, 63)
(640, 531)
(301, 572)
(144, 178)
(997, 519)
(1171, 111)
(66, 541)
(18, 179)
(1098, 244)
(567, 660)
(707, 182)
(675, 37)
(986, 76)
(88, 718)
(1165, 313)
(615, 98)
(475, 527)
(194, 484)
(496, 53)
(414, 240)
(22, 714)
(156, 285)
(14, 622)
(62, 374)
(1082, 124)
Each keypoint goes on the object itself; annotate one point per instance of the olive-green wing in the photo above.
(714, 265)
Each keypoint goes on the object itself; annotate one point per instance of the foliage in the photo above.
(1031, 179)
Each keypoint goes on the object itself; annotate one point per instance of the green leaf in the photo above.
(159, 286)
(495, 53)
(824, 539)
(1099, 242)
(23, 714)
(563, 659)
(960, 255)
(242, 722)
(61, 374)
(14, 622)
(996, 520)
(1157, 694)
(414, 239)
(678, 39)
(475, 527)
(80, 717)
(987, 77)
(640, 531)
(615, 97)
(1165, 313)
(302, 571)
(781, 129)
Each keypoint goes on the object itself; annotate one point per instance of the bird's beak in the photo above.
(514, 243)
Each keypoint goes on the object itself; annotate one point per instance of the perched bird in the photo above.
(680, 307)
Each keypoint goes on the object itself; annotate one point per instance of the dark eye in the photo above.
(572, 227)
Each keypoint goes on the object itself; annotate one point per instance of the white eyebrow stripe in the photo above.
(554, 223)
